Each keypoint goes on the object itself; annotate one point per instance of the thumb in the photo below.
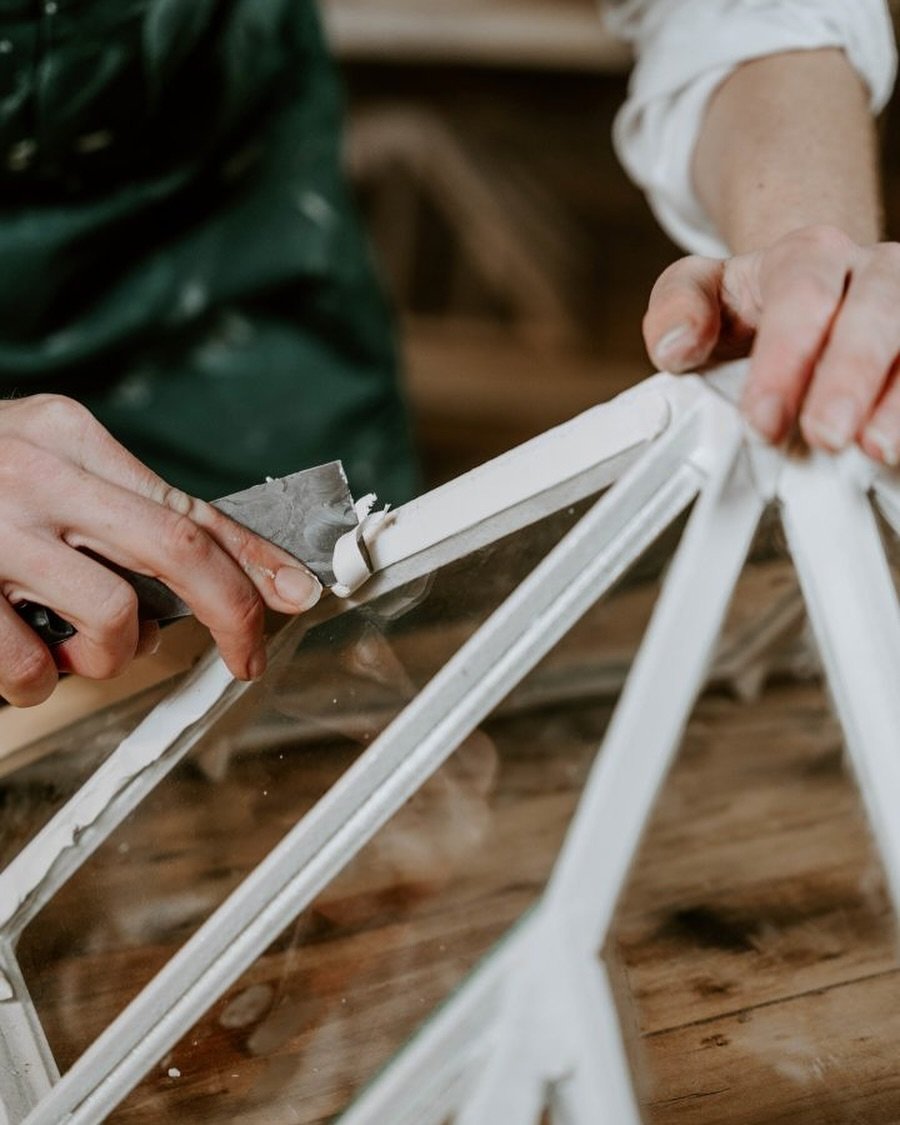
(683, 320)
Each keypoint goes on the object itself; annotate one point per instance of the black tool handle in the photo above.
(156, 602)
(49, 626)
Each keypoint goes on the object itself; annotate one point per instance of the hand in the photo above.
(819, 316)
(67, 487)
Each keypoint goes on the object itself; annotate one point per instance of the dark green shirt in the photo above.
(177, 246)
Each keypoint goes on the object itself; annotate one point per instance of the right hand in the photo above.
(66, 487)
(817, 314)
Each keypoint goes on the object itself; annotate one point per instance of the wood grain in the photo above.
(754, 949)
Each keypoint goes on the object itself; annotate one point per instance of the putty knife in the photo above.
(304, 513)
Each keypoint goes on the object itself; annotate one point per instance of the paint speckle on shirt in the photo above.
(20, 155)
(135, 390)
(192, 299)
(58, 343)
(315, 207)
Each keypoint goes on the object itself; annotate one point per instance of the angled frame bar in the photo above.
(853, 608)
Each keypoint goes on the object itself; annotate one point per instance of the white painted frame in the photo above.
(535, 1025)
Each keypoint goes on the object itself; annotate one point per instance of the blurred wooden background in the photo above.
(518, 254)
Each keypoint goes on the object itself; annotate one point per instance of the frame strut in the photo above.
(26, 1061)
(642, 740)
(557, 1019)
(853, 609)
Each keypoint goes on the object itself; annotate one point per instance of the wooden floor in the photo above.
(754, 953)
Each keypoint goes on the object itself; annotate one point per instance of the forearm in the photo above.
(788, 141)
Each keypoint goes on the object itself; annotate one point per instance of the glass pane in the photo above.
(48, 752)
(754, 949)
(755, 904)
(347, 984)
(251, 777)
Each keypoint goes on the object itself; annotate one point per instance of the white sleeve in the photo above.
(685, 48)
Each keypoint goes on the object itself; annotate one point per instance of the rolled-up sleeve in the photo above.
(685, 48)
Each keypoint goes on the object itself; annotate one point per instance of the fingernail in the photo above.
(299, 587)
(671, 344)
(836, 426)
(257, 664)
(888, 447)
(766, 415)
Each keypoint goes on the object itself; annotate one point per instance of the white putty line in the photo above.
(601, 434)
(155, 734)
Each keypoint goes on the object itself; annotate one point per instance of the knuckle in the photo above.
(237, 625)
(117, 610)
(185, 542)
(680, 273)
(255, 557)
(248, 611)
(822, 238)
(176, 500)
(114, 633)
(57, 422)
(62, 412)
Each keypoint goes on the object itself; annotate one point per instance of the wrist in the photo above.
(788, 142)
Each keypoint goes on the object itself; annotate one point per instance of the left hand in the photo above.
(819, 316)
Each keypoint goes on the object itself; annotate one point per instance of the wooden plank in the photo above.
(755, 894)
(828, 1057)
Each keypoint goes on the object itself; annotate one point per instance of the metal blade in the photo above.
(304, 513)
